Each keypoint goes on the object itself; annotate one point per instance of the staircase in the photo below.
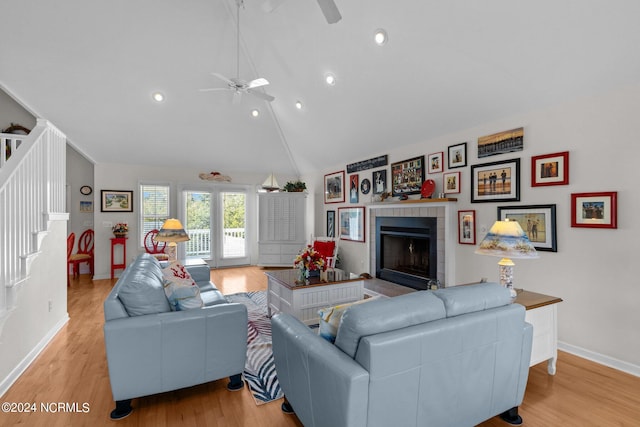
(32, 193)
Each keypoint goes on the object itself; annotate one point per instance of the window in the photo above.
(154, 200)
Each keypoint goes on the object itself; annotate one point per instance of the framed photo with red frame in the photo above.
(550, 169)
(334, 187)
(467, 227)
(594, 210)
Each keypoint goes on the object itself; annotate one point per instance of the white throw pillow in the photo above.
(182, 292)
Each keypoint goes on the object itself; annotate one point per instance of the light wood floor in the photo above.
(73, 368)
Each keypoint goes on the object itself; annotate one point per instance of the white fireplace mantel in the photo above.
(443, 209)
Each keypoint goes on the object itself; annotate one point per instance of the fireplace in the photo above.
(406, 250)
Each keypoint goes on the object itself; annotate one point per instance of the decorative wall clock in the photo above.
(86, 190)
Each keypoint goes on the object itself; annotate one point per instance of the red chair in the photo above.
(155, 248)
(327, 247)
(84, 254)
(71, 239)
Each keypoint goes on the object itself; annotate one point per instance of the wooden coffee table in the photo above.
(303, 301)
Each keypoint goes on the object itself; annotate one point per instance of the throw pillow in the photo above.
(182, 292)
(330, 319)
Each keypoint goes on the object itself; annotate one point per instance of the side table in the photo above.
(114, 242)
(543, 316)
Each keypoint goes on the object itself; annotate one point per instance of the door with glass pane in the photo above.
(216, 223)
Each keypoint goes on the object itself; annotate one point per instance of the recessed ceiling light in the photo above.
(158, 96)
(380, 36)
(299, 105)
(255, 113)
(330, 79)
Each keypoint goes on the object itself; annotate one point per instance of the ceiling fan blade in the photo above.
(269, 6)
(224, 79)
(261, 95)
(211, 89)
(237, 97)
(330, 11)
(258, 82)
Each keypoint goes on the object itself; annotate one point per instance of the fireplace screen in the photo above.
(406, 250)
(406, 255)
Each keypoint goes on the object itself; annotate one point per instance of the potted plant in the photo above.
(295, 186)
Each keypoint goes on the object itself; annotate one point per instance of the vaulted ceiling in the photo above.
(91, 68)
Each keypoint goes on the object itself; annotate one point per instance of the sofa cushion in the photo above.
(386, 314)
(180, 289)
(330, 318)
(468, 299)
(141, 291)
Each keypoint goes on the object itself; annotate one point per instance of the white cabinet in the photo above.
(281, 228)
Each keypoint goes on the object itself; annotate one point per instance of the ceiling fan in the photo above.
(236, 84)
(328, 7)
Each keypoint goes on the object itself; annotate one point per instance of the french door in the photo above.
(216, 221)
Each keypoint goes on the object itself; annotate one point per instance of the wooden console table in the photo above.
(542, 314)
(304, 301)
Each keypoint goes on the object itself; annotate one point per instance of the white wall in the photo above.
(41, 308)
(592, 270)
(79, 173)
(128, 177)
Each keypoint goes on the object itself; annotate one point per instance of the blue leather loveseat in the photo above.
(452, 357)
(151, 349)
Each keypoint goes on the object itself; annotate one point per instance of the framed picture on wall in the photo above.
(351, 222)
(550, 169)
(457, 155)
(501, 143)
(407, 176)
(435, 162)
(467, 227)
(538, 221)
(86, 206)
(334, 187)
(331, 223)
(451, 182)
(496, 182)
(116, 201)
(594, 210)
(353, 188)
(379, 179)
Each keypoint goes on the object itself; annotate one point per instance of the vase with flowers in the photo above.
(121, 229)
(307, 261)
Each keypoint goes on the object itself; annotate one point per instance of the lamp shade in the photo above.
(507, 239)
(172, 231)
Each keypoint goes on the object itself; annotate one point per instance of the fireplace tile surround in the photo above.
(446, 230)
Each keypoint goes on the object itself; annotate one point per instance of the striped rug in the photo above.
(260, 369)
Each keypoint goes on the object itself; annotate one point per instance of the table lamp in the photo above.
(172, 232)
(506, 239)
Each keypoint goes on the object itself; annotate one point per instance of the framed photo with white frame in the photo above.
(435, 162)
(537, 221)
(467, 227)
(451, 182)
(351, 223)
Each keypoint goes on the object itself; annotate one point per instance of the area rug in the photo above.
(260, 369)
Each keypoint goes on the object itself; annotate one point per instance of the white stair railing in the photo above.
(32, 192)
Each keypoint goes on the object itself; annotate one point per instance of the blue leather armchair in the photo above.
(151, 349)
(453, 357)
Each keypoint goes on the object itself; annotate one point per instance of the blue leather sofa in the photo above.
(151, 349)
(452, 357)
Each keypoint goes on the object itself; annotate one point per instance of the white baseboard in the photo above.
(24, 364)
(611, 362)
